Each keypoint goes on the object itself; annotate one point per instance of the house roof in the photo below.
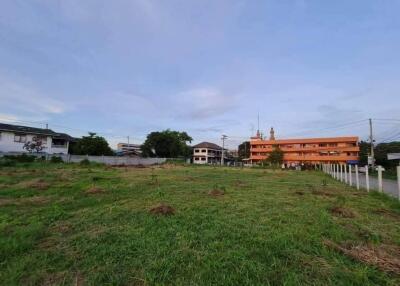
(34, 130)
(207, 145)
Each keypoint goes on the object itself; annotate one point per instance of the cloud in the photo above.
(204, 103)
(19, 97)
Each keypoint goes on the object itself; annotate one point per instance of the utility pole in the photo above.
(128, 140)
(371, 138)
(224, 137)
(47, 126)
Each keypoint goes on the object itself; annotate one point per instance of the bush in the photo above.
(7, 163)
(56, 159)
(84, 162)
(23, 158)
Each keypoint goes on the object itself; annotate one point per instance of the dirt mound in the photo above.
(216, 193)
(342, 212)
(387, 213)
(384, 257)
(95, 190)
(38, 184)
(162, 209)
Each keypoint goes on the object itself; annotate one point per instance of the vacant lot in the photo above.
(93, 225)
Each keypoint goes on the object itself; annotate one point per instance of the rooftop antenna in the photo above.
(258, 121)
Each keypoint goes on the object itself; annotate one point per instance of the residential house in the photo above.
(14, 137)
(207, 153)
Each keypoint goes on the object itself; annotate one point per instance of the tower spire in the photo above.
(272, 134)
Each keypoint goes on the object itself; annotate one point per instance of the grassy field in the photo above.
(94, 225)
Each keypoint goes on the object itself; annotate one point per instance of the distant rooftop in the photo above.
(207, 145)
(36, 131)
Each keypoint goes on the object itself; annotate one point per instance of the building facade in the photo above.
(14, 137)
(127, 149)
(306, 151)
(207, 153)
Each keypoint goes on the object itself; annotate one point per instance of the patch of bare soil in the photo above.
(162, 209)
(384, 257)
(216, 193)
(95, 190)
(62, 227)
(342, 212)
(387, 213)
(52, 279)
(38, 184)
(37, 200)
(239, 183)
(300, 193)
(323, 193)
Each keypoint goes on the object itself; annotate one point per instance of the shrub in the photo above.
(23, 158)
(7, 163)
(84, 162)
(56, 159)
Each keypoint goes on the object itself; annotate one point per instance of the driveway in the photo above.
(389, 186)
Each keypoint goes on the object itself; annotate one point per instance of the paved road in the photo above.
(389, 186)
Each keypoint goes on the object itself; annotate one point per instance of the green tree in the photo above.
(364, 151)
(244, 150)
(92, 145)
(381, 150)
(167, 144)
(275, 158)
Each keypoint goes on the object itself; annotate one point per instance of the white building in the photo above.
(207, 153)
(14, 137)
(127, 149)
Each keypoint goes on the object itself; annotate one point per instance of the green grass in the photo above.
(268, 228)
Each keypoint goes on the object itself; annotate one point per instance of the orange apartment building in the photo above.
(306, 151)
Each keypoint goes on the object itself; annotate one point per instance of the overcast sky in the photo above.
(206, 67)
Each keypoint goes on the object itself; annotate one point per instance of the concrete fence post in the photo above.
(357, 178)
(341, 172)
(366, 178)
(350, 176)
(380, 183)
(345, 173)
(398, 182)
(336, 171)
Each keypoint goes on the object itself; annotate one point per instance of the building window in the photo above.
(196, 150)
(21, 138)
(203, 159)
(196, 158)
(203, 151)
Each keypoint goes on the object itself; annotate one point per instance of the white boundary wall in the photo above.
(108, 160)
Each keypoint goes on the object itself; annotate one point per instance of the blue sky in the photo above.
(206, 67)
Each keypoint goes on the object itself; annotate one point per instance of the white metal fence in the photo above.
(108, 160)
(359, 177)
